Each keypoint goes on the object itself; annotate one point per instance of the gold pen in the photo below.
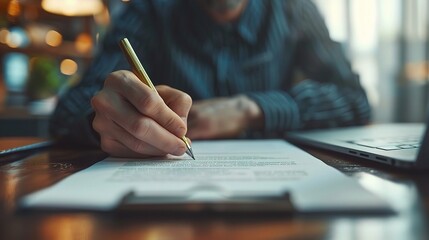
(142, 75)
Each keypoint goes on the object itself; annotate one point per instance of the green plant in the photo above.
(44, 80)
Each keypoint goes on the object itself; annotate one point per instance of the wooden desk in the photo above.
(408, 191)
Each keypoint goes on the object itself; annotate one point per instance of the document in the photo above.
(222, 169)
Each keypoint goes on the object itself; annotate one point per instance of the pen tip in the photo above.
(192, 154)
(189, 148)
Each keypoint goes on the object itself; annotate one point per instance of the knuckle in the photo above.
(117, 77)
(185, 99)
(141, 128)
(99, 103)
(108, 79)
(111, 79)
(138, 146)
(171, 123)
(149, 102)
(118, 74)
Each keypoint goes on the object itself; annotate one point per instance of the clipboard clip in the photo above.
(188, 203)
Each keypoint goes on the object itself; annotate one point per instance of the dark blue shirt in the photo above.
(278, 53)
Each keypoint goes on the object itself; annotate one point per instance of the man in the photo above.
(235, 58)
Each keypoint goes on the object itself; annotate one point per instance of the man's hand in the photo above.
(223, 118)
(134, 121)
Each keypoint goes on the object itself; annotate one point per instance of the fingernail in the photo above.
(181, 131)
(180, 150)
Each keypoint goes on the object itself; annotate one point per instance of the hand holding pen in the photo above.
(133, 120)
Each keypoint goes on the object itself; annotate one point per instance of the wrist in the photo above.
(253, 118)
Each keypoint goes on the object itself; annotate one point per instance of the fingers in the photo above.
(117, 149)
(142, 129)
(118, 142)
(199, 124)
(146, 101)
(117, 121)
(134, 121)
(217, 118)
(176, 100)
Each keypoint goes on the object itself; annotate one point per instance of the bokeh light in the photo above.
(53, 38)
(68, 67)
(83, 43)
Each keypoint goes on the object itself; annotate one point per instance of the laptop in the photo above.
(404, 145)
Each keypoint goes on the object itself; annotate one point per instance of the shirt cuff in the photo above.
(80, 133)
(281, 112)
(88, 137)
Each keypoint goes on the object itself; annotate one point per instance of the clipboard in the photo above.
(321, 189)
(239, 204)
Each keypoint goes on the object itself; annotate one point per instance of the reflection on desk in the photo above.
(408, 191)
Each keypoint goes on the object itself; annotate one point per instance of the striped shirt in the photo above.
(260, 56)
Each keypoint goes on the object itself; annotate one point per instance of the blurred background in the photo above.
(45, 46)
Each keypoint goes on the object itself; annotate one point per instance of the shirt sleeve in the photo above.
(71, 122)
(331, 95)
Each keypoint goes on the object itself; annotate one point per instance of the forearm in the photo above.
(280, 111)
(325, 105)
(311, 104)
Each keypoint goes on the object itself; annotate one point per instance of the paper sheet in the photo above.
(221, 168)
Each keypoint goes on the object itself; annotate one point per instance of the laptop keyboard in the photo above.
(390, 144)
